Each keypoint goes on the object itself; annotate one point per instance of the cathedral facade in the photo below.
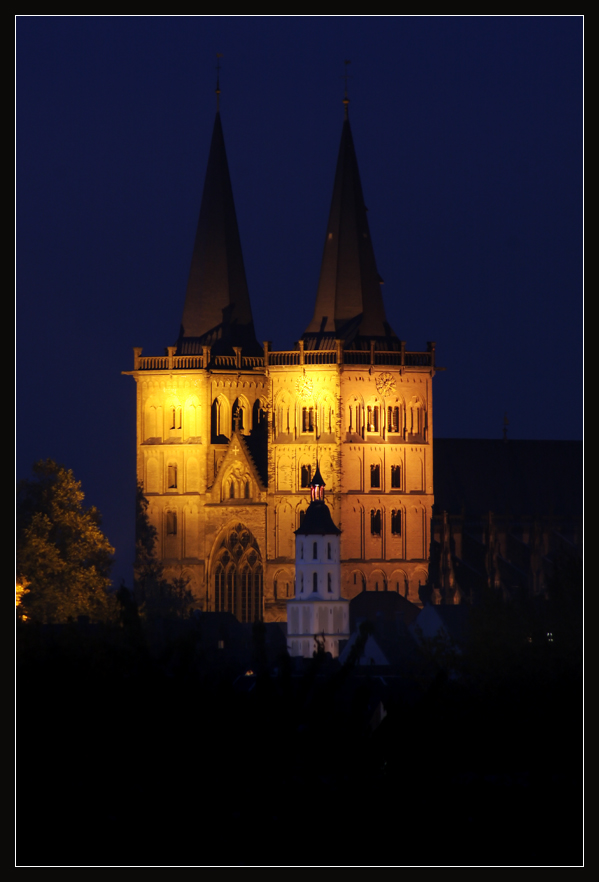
(230, 432)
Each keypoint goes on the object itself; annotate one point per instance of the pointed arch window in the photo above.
(175, 416)
(240, 417)
(238, 576)
(372, 418)
(283, 418)
(416, 419)
(356, 418)
(396, 477)
(307, 419)
(393, 423)
(306, 475)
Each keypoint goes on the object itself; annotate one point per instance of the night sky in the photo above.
(468, 133)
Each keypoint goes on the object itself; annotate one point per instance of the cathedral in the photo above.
(231, 432)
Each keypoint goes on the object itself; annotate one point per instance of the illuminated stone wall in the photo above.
(369, 425)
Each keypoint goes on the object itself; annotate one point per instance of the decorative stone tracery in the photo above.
(238, 575)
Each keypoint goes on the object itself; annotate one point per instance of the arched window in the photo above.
(241, 415)
(219, 587)
(307, 419)
(238, 576)
(306, 475)
(416, 422)
(283, 427)
(395, 477)
(247, 489)
(315, 551)
(301, 583)
(171, 523)
(216, 420)
(172, 476)
(356, 418)
(314, 581)
(329, 583)
(232, 490)
(393, 424)
(375, 522)
(372, 418)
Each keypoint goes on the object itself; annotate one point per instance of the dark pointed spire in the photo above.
(317, 486)
(349, 302)
(317, 519)
(217, 309)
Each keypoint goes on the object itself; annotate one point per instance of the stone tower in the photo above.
(228, 431)
(317, 607)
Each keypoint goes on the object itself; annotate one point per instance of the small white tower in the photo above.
(317, 612)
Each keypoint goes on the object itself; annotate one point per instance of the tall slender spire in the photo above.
(217, 309)
(349, 302)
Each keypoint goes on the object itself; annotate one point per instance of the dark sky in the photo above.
(468, 133)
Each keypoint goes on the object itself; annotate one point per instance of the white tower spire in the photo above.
(317, 612)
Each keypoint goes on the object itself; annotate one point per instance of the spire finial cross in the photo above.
(219, 55)
(346, 77)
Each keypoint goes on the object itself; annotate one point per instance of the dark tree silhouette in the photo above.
(157, 598)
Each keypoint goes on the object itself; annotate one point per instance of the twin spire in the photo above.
(349, 302)
(217, 309)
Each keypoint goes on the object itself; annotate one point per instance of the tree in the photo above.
(63, 558)
(156, 597)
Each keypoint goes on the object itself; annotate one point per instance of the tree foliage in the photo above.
(63, 557)
(155, 595)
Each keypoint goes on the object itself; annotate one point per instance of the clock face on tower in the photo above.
(385, 383)
(304, 387)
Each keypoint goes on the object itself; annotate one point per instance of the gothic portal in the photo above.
(228, 430)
